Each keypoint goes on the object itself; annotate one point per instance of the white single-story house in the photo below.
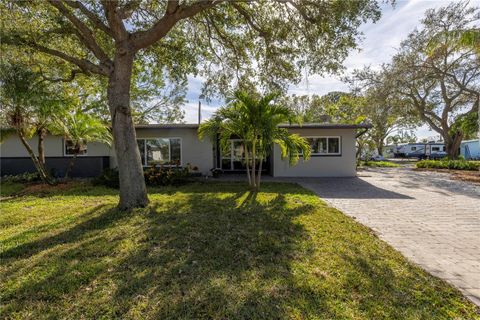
(333, 152)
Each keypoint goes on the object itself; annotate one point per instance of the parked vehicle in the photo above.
(377, 158)
(431, 150)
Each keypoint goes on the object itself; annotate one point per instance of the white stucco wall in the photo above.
(197, 153)
(13, 147)
(320, 166)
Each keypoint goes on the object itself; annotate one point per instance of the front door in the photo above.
(233, 159)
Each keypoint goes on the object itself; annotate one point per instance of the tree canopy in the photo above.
(441, 88)
(266, 43)
(226, 42)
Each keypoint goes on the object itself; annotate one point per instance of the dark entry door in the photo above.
(233, 159)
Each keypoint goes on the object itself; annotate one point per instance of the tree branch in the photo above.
(249, 20)
(127, 10)
(84, 33)
(173, 14)
(70, 78)
(85, 65)
(115, 22)
(90, 15)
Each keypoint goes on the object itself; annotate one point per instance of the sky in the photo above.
(378, 45)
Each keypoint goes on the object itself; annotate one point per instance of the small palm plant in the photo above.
(80, 128)
(256, 122)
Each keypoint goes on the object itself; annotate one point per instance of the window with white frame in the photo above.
(328, 145)
(70, 148)
(162, 151)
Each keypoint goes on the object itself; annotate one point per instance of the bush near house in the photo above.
(154, 176)
(449, 164)
(166, 176)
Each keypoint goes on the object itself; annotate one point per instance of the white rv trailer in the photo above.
(431, 150)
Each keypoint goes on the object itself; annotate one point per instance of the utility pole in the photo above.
(199, 111)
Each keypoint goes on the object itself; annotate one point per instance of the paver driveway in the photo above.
(432, 220)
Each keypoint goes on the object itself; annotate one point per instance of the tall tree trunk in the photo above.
(133, 192)
(41, 145)
(38, 165)
(452, 144)
(253, 182)
(259, 172)
(71, 163)
(247, 158)
(380, 147)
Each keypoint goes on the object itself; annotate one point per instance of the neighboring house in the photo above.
(333, 152)
(470, 149)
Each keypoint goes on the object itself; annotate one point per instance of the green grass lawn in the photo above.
(212, 251)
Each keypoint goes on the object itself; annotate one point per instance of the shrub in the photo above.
(108, 178)
(379, 164)
(166, 176)
(216, 172)
(22, 178)
(449, 164)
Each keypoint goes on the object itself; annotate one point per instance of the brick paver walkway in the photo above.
(432, 220)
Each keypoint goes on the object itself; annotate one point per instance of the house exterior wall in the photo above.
(14, 158)
(342, 165)
(193, 151)
(13, 147)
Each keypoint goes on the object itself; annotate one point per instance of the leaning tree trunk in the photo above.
(38, 165)
(452, 144)
(133, 192)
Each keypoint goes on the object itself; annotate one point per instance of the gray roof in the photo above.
(167, 126)
(327, 126)
(286, 125)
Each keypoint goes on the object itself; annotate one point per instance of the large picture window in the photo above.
(324, 145)
(160, 151)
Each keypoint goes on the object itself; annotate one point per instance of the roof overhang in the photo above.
(327, 126)
(167, 126)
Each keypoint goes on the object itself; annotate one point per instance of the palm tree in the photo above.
(80, 128)
(28, 104)
(256, 122)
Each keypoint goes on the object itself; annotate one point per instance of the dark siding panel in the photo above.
(84, 166)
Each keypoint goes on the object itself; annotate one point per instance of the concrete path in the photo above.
(432, 220)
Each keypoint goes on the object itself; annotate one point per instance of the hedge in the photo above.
(449, 164)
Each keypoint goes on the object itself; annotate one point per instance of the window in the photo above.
(164, 151)
(324, 145)
(414, 148)
(435, 148)
(443, 149)
(70, 148)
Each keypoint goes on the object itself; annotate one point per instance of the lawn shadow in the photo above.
(216, 258)
(205, 256)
